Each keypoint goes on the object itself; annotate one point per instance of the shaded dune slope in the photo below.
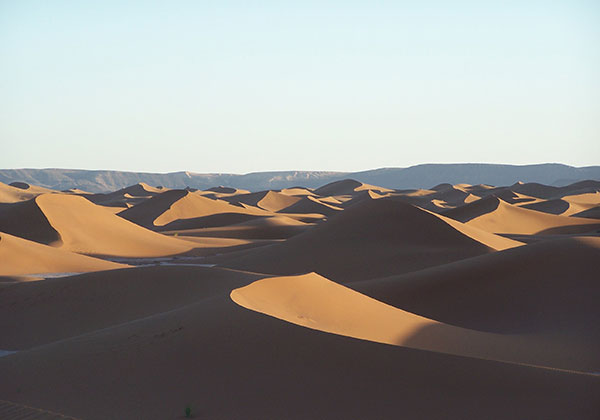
(125, 197)
(27, 220)
(371, 239)
(184, 355)
(534, 189)
(273, 227)
(347, 187)
(551, 286)
(592, 213)
(45, 310)
(311, 205)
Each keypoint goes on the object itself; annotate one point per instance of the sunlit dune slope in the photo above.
(267, 200)
(19, 191)
(491, 240)
(296, 191)
(20, 256)
(315, 302)
(176, 205)
(74, 224)
(494, 215)
(568, 205)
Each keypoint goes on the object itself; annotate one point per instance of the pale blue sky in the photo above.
(232, 86)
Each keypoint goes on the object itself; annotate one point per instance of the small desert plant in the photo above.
(188, 411)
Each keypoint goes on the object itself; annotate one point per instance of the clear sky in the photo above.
(236, 86)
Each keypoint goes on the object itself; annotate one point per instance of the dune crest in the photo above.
(315, 302)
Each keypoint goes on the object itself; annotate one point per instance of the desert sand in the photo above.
(345, 301)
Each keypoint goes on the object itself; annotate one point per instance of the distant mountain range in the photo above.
(419, 176)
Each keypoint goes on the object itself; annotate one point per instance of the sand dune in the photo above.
(45, 310)
(474, 209)
(348, 187)
(579, 203)
(125, 197)
(180, 205)
(74, 224)
(311, 205)
(21, 192)
(510, 219)
(267, 200)
(548, 286)
(587, 198)
(592, 213)
(140, 189)
(508, 195)
(273, 201)
(439, 317)
(568, 205)
(450, 195)
(549, 192)
(365, 195)
(315, 302)
(227, 190)
(27, 220)
(272, 227)
(441, 199)
(19, 256)
(275, 370)
(556, 206)
(488, 239)
(296, 191)
(371, 239)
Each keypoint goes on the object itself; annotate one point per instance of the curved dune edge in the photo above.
(19, 256)
(496, 242)
(87, 228)
(510, 219)
(315, 302)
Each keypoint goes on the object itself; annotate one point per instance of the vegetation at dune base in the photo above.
(188, 411)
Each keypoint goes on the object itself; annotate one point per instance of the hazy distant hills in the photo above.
(419, 176)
